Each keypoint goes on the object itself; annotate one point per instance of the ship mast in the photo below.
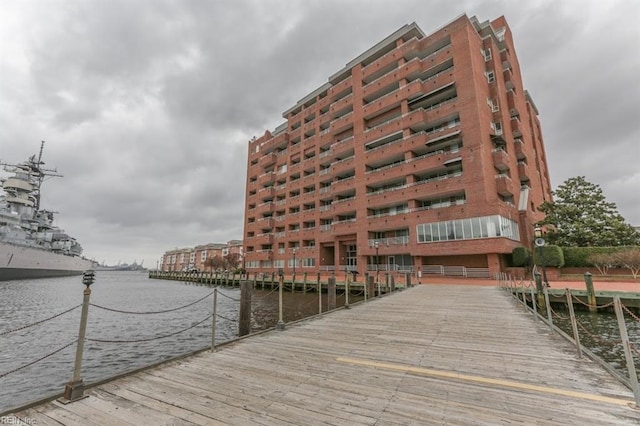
(40, 172)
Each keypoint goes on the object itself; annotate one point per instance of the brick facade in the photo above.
(420, 129)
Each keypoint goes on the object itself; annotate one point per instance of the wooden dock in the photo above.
(432, 354)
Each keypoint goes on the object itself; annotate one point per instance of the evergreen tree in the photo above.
(580, 216)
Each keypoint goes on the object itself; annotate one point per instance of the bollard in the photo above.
(280, 325)
(244, 322)
(346, 292)
(538, 279)
(408, 280)
(331, 293)
(319, 289)
(365, 285)
(591, 292)
(393, 283)
(213, 320)
(74, 389)
(547, 305)
(371, 287)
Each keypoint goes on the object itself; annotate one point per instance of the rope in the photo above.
(558, 315)
(150, 338)
(150, 312)
(597, 338)
(37, 360)
(39, 322)
(589, 306)
(629, 312)
(228, 297)
(225, 318)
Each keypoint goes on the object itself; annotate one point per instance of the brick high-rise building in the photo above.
(424, 154)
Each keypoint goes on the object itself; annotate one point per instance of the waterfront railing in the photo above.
(540, 302)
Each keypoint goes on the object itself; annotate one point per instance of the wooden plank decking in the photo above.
(433, 354)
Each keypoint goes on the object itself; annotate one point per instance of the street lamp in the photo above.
(540, 242)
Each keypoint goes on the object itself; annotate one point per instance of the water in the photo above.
(599, 332)
(29, 301)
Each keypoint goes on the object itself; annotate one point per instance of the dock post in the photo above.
(346, 291)
(304, 283)
(213, 319)
(591, 293)
(319, 290)
(244, 326)
(633, 377)
(74, 389)
(408, 280)
(280, 325)
(371, 287)
(331, 293)
(365, 286)
(547, 306)
(574, 323)
(393, 283)
(534, 304)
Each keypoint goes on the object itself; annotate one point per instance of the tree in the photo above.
(580, 216)
(602, 261)
(629, 258)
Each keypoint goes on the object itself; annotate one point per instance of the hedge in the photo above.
(553, 256)
(520, 256)
(577, 256)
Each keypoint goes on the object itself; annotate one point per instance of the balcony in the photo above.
(268, 192)
(523, 171)
(342, 148)
(339, 88)
(264, 254)
(516, 128)
(342, 185)
(504, 186)
(343, 166)
(381, 66)
(342, 123)
(264, 208)
(343, 227)
(268, 159)
(265, 222)
(266, 178)
(500, 159)
(342, 104)
(519, 146)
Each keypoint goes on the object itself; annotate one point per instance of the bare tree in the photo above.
(602, 261)
(630, 259)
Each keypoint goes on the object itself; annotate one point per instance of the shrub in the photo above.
(552, 255)
(520, 256)
(602, 261)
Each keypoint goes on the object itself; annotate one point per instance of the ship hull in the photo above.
(17, 262)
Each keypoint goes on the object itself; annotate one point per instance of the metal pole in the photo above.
(280, 324)
(633, 377)
(213, 320)
(574, 323)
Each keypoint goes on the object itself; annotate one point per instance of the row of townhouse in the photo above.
(205, 257)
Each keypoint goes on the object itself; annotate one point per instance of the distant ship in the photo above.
(30, 245)
(134, 267)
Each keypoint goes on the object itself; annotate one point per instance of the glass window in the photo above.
(458, 229)
(466, 228)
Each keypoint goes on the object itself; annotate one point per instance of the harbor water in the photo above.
(28, 301)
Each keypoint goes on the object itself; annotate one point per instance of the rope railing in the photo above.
(39, 322)
(150, 312)
(150, 338)
(75, 387)
(22, 367)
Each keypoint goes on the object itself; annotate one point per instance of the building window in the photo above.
(491, 76)
(487, 54)
(468, 229)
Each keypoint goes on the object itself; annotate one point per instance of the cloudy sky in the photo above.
(146, 106)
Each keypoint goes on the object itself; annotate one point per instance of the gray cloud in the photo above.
(147, 106)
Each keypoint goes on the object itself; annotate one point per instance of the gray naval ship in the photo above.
(30, 245)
